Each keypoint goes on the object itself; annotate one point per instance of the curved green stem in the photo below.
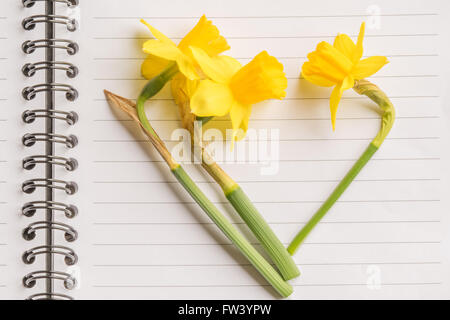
(343, 185)
(151, 88)
(370, 90)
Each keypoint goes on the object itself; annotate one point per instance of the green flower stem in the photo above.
(276, 250)
(152, 87)
(370, 90)
(268, 272)
(343, 185)
(248, 212)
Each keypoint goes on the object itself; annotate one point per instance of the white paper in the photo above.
(141, 237)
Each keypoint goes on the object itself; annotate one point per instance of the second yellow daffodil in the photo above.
(340, 65)
(233, 89)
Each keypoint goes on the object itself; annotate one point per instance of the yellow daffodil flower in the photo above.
(162, 50)
(340, 65)
(233, 89)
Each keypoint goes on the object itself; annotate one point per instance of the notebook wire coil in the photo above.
(52, 215)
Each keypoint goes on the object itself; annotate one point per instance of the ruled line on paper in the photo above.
(249, 264)
(281, 140)
(289, 78)
(266, 285)
(281, 37)
(311, 98)
(270, 181)
(273, 17)
(269, 222)
(282, 58)
(258, 244)
(261, 202)
(281, 119)
(299, 160)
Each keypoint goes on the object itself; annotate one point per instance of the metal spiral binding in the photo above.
(29, 93)
(30, 46)
(29, 116)
(29, 163)
(51, 209)
(29, 281)
(30, 22)
(70, 257)
(30, 139)
(29, 209)
(29, 233)
(30, 186)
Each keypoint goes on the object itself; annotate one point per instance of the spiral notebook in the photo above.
(88, 212)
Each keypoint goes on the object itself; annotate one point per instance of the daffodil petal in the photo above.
(358, 53)
(211, 99)
(345, 45)
(220, 69)
(336, 97)
(171, 53)
(186, 66)
(152, 66)
(157, 34)
(161, 49)
(367, 67)
(240, 116)
(206, 36)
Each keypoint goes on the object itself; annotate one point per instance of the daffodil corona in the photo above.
(233, 89)
(340, 65)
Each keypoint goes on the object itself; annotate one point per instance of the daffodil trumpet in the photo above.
(206, 84)
(341, 65)
(253, 256)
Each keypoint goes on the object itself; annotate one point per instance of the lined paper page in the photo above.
(143, 237)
